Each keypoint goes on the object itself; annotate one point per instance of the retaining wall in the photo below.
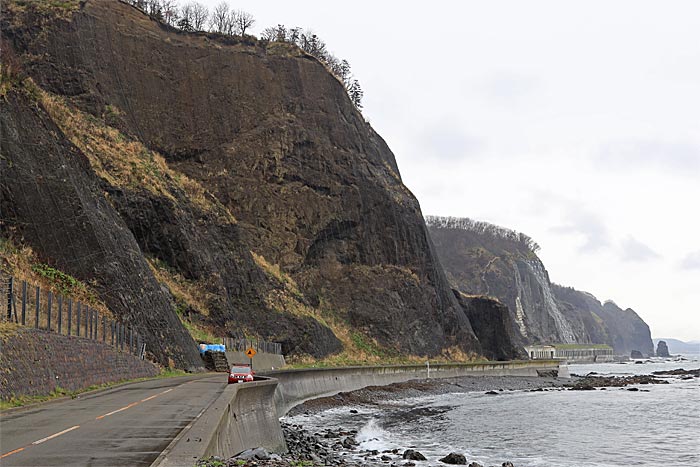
(261, 362)
(34, 362)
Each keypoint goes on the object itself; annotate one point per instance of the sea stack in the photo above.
(662, 350)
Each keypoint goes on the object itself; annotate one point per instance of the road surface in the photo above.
(126, 426)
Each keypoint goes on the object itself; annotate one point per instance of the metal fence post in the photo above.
(111, 331)
(49, 303)
(36, 311)
(78, 307)
(70, 315)
(24, 303)
(104, 328)
(10, 283)
(86, 313)
(60, 313)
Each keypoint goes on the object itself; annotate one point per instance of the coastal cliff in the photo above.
(484, 259)
(231, 181)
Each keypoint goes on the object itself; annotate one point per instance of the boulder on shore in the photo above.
(454, 458)
(636, 354)
(413, 455)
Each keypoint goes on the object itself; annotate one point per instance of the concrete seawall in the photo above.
(243, 416)
(247, 415)
(261, 362)
(296, 386)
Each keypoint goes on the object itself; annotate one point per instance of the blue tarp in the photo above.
(212, 348)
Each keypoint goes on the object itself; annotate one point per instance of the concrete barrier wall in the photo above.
(296, 386)
(247, 415)
(242, 417)
(261, 361)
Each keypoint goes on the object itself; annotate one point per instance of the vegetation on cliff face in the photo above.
(20, 262)
(229, 22)
(122, 161)
(250, 198)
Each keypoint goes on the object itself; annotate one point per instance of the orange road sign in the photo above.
(250, 352)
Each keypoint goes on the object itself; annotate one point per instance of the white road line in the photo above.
(56, 434)
(133, 404)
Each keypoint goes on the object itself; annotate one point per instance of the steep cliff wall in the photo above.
(495, 262)
(481, 258)
(50, 198)
(247, 179)
(607, 323)
(493, 326)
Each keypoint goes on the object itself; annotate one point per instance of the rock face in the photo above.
(483, 259)
(51, 198)
(493, 326)
(239, 169)
(606, 323)
(662, 350)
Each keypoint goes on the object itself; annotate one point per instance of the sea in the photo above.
(602, 428)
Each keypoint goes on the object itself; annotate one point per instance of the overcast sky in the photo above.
(577, 123)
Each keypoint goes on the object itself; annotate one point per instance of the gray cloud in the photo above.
(508, 87)
(691, 261)
(676, 157)
(587, 224)
(632, 250)
(449, 144)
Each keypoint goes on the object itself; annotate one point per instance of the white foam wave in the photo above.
(372, 436)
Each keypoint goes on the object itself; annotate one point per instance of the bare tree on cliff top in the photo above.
(277, 34)
(241, 21)
(313, 45)
(193, 16)
(169, 12)
(219, 19)
(482, 228)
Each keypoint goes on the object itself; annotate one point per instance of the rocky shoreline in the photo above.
(340, 447)
(335, 448)
(376, 396)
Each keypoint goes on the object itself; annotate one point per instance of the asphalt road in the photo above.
(126, 426)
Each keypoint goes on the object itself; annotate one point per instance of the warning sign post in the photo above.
(250, 353)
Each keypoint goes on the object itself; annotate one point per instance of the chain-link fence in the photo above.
(241, 345)
(29, 305)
